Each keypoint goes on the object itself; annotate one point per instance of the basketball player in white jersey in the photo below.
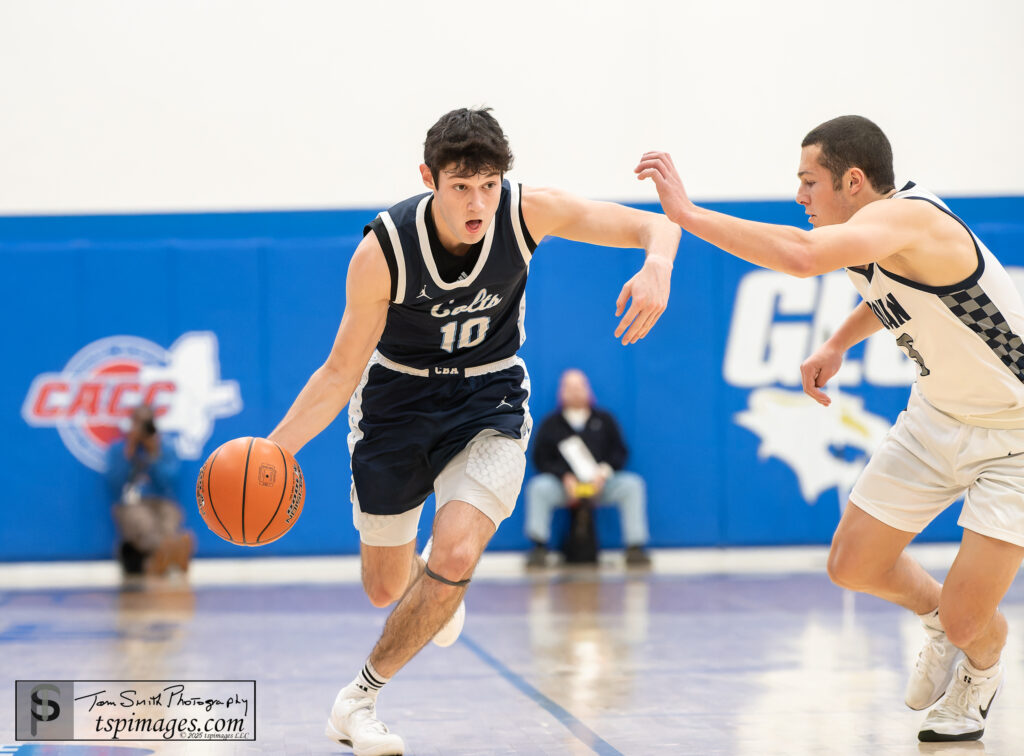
(953, 309)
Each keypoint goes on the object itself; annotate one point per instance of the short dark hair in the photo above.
(472, 140)
(849, 141)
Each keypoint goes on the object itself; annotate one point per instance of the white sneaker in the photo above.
(961, 714)
(450, 633)
(933, 670)
(353, 722)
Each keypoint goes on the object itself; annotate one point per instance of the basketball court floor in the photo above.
(745, 652)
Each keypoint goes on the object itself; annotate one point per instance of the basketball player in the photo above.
(425, 357)
(926, 278)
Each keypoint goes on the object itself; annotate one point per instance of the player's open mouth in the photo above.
(474, 226)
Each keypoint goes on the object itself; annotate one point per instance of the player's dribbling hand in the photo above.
(648, 290)
(658, 167)
(816, 372)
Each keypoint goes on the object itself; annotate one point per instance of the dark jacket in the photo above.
(600, 434)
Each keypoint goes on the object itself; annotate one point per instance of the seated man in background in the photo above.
(556, 485)
(141, 474)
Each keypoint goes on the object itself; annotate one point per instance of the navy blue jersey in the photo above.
(441, 326)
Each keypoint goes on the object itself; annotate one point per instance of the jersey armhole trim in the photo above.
(518, 224)
(376, 227)
(398, 256)
(960, 285)
(866, 270)
(526, 231)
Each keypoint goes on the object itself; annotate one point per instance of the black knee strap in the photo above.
(454, 583)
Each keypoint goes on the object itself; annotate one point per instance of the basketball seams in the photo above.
(209, 495)
(245, 482)
(234, 504)
(284, 487)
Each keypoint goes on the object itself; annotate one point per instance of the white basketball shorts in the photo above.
(928, 460)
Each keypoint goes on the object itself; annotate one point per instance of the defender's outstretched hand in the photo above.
(817, 370)
(552, 212)
(658, 167)
(649, 290)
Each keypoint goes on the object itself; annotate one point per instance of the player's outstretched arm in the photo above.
(819, 368)
(552, 212)
(877, 231)
(328, 390)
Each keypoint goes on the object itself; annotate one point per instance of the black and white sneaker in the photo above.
(962, 713)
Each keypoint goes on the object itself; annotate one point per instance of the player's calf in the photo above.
(450, 631)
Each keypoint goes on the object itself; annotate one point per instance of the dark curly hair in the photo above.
(471, 140)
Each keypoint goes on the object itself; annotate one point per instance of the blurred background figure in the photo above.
(558, 482)
(142, 471)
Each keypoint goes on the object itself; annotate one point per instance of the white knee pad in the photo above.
(385, 530)
(499, 464)
(487, 474)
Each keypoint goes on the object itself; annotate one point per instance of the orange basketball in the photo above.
(250, 491)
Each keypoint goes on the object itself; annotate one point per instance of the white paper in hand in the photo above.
(581, 461)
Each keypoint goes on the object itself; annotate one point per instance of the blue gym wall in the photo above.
(271, 287)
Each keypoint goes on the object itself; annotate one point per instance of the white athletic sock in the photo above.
(982, 673)
(370, 680)
(931, 619)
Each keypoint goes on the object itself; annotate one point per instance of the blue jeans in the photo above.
(544, 492)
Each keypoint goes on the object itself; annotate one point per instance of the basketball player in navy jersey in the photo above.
(951, 306)
(426, 359)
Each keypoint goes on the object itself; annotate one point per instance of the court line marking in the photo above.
(582, 733)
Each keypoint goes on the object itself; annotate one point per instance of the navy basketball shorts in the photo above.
(411, 434)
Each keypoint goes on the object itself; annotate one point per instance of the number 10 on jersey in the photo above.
(469, 333)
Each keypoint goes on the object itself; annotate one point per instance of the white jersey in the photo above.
(964, 337)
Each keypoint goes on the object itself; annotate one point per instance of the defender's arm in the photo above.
(552, 212)
(876, 231)
(817, 369)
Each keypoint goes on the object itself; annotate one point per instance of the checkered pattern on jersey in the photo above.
(975, 310)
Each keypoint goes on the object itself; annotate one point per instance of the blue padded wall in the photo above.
(270, 287)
